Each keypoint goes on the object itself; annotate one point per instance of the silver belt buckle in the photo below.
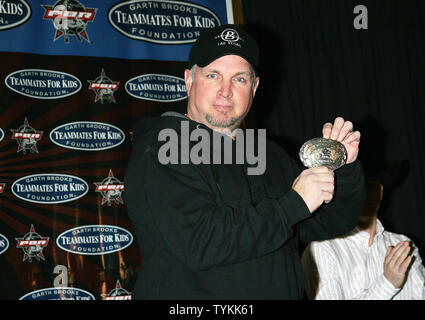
(323, 152)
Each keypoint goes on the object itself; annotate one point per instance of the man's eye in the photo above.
(212, 76)
(240, 79)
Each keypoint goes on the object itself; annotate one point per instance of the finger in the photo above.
(397, 252)
(327, 187)
(388, 254)
(396, 248)
(327, 196)
(352, 137)
(322, 177)
(325, 178)
(327, 129)
(336, 128)
(404, 253)
(322, 181)
(321, 169)
(346, 128)
(405, 264)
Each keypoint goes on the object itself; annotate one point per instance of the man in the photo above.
(211, 230)
(369, 263)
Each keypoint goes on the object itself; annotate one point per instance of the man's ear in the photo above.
(188, 80)
(256, 83)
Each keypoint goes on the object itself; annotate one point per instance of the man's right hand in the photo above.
(315, 186)
(396, 262)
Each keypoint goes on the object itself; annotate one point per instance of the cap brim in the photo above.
(210, 59)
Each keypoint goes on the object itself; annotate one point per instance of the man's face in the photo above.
(220, 94)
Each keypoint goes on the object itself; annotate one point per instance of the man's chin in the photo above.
(221, 121)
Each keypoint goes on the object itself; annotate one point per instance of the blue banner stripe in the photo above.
(138, 29)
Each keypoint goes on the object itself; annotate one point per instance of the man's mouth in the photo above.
(223, 107)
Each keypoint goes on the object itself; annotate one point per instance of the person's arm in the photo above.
(380, 289)
(195, 225)
(326, 282)
(341, 215)
(322, 279)
(416, 274)
(392, 281)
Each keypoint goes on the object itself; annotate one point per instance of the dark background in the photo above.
(316, 66)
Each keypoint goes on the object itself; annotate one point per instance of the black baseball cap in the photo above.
(226, 39)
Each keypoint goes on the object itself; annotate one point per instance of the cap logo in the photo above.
(229, 35)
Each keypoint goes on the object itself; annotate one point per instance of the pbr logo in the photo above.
(118, 293)
(32, 245)
(110, 189)
(70, 18)
(104, 88)
(27, 138)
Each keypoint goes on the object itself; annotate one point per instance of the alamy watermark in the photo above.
(62, 279)
(361, 20)
(249, 148)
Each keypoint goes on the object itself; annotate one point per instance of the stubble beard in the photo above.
(221, 123)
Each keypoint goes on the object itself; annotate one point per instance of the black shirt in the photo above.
(211, 231)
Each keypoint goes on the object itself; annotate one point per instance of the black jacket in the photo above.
(211, 231)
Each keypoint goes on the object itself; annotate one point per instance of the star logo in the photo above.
(32, 245)
(70, 18)
(118, 293)
(27, 138)
(110, 189)
(104, 88)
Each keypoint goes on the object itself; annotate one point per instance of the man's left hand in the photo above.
(342, 131)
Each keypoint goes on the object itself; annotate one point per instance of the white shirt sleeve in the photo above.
(381, 289)
(417, 277)
(326, 281)
(322, 278)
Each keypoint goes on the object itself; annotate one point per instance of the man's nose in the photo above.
(226, 88)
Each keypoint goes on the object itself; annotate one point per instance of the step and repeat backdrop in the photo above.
(75, 77)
